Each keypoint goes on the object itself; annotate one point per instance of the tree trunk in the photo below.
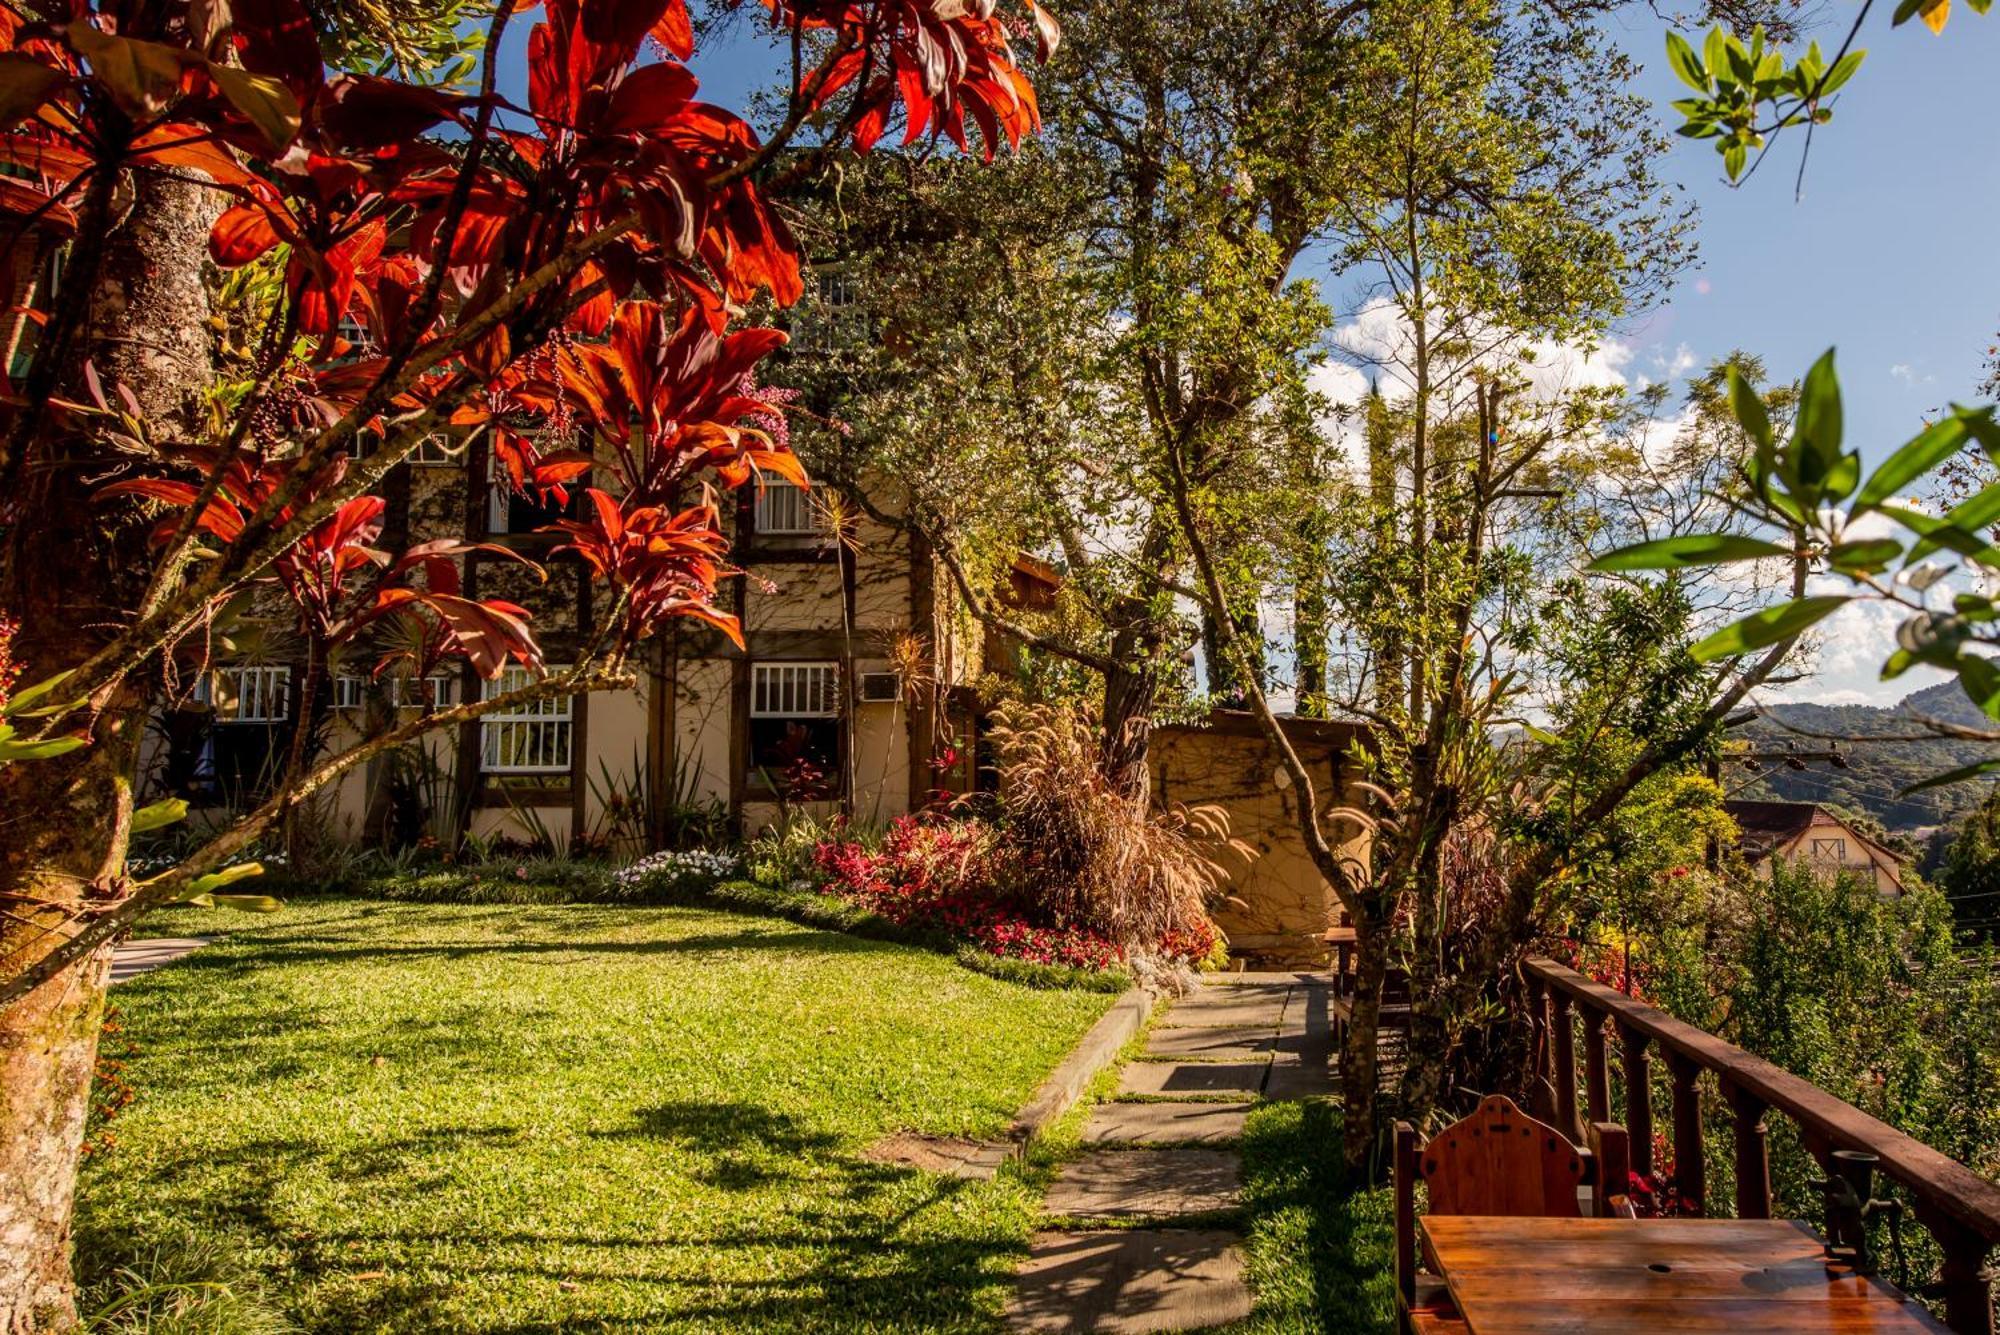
(1360, 1059)
(1131, 689)
(48, 1051)
(68, 822)
(70, 574)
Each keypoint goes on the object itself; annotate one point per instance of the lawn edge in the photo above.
(1099, 1047)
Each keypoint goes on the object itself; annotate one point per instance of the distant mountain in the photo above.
(1876, 772)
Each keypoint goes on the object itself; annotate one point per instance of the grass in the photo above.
(1321, 1254)
(484, 1118)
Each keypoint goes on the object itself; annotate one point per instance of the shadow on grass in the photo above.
(1320, 1245)
(327, 948)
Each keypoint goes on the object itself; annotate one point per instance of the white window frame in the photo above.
(348, 691)
(444, 691)
(783, 510)
(435, 451)
(795, 690)
(544, 730)
(265, 686)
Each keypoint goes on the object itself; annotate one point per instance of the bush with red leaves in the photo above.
(961, 876)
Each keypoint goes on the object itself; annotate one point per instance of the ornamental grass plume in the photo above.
(1138, 877)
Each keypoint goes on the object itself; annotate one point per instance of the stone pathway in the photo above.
(1138, 1226)
(129, 959)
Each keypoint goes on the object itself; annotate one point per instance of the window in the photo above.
(436, 451)
(1829, 850)
(795, 728)
(784, 509)
(250, 694)
(510, 511)
(530, 738)
(242, 752)
(432, 692)
(348, 691)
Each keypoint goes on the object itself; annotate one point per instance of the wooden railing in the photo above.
(1959, 1208)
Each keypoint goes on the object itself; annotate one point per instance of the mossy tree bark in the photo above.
(69, 566)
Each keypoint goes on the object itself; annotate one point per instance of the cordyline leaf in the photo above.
(245, 903)
(1692, 549)
(215, 880)
(143, 78)
(46, 749)
(265, 103)
(1771, 626)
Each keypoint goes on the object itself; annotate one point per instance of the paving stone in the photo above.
(1129, 1282)
(1114, 1184)
(132, 958)
(1212, 1044)
(976, 1160)
(1298, 1080)
(1236, 1079)
(1165, 1123)
(1269, 978)
(1236, 1006)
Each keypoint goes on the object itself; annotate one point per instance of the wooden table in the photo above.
(1635, 1276)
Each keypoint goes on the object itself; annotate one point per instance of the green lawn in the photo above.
(420, 1117)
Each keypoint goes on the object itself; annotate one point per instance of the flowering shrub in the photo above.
(967, 878)
(677, 867)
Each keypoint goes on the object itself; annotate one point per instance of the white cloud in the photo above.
(1906, 373)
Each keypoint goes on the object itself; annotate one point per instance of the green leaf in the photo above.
(247, 903)
(1916, 457)
(215, 880)
(1749, 408)
(1817, 431)
(17, 703)
(1949, 533)
(46, 749)
(1959, 775)
(1685, 62)
(1864, 553)
(1981, 680)
(159, 815)
(1843, 70)
(1693, 549)
(1771, 626)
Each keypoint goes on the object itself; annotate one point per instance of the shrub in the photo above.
(972, 881)
(1095, 859)
(783, 854)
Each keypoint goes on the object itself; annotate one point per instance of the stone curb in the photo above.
(1097, 1049)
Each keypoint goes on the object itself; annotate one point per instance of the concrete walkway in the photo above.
(129, 959)
(1139, 1227)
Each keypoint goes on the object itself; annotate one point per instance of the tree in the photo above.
(561, 272)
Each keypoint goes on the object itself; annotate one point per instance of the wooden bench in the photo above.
(1498, 1161)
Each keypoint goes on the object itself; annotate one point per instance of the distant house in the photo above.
(1808, 832)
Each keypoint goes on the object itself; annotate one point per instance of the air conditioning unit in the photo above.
(878, 688)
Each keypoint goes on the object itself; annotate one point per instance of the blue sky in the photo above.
(1889, 254)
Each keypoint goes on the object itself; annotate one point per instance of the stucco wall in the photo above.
(1276, 905)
